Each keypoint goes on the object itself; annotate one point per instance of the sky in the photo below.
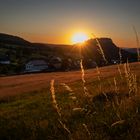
(56, 21)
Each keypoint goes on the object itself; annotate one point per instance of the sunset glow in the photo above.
(55, 22)
(79, 38)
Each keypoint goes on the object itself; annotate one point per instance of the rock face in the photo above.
(111, 52)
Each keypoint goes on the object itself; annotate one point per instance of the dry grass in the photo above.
(14, 85)
(138, 43)
(61, 111)
(110, 109)
(100, 49)
(55, 105)
(131, 79)
(83, 79)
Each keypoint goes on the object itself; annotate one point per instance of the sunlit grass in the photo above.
(109, 113)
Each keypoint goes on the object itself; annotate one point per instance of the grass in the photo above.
(108, 113)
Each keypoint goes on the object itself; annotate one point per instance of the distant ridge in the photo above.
(12, 39)
(131, 50)
(6, 38)
(90, 51)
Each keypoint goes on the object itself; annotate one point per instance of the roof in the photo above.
(4, 58)
(37, 62)
(56, 60)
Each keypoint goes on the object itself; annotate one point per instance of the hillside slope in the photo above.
(60, 106)
(13, 85)
(10, 39)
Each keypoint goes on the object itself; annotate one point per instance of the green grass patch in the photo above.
(104, 115)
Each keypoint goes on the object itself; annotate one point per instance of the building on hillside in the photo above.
(36, 65)
(115, 61)
(56, 63)
(93, 64)
(4, 60)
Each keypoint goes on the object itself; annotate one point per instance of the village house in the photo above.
(36, 65)
(56, 63)
(4, 60)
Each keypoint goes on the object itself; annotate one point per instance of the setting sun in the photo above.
(79, 38)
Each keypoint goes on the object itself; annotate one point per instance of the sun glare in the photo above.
(79, 38)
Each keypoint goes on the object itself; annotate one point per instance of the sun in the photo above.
(79, 37)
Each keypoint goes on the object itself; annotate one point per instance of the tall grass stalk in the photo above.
(98, 73)
(99, 78)
(115, 85)
(131, 79)
(83, 78)
(68, 88)
(100, 48)
(116, 91)
(100, 84)
(118, 65)
(119, 70)
(118, 122)
(55, 105)
(120, 55)
(65, 127)
(87, 130)
(138, 43)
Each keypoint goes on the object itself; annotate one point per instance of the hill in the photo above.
(131, 50)
(91, 45)
(10, 39)
(110, 50)
(19, 51)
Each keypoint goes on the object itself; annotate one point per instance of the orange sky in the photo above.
(56, 21)
(128, 41)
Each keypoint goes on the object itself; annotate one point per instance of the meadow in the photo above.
(96, 104)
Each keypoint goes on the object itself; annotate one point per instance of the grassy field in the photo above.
(102, 105)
